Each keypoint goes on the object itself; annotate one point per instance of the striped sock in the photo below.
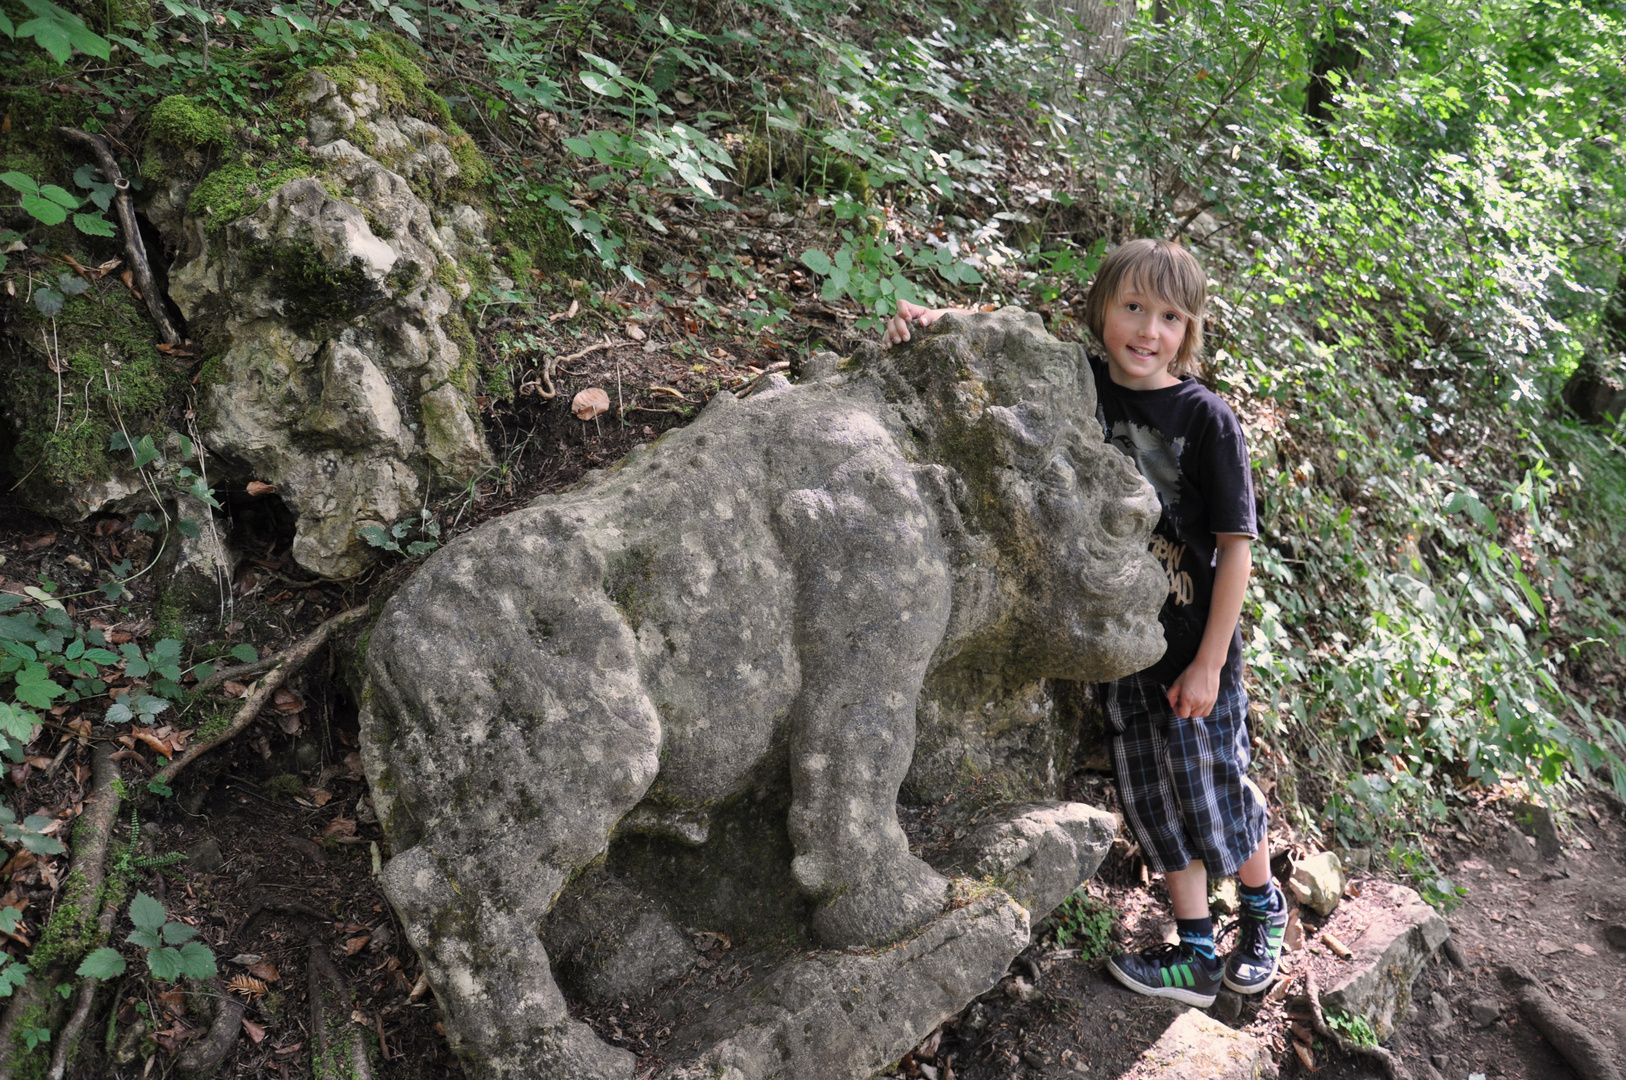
(1197, 937)
(1258, 902)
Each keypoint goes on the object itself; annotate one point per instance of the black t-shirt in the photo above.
(1188, 444)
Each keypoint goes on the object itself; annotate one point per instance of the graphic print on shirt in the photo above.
(1171, 555)
(1158, 460)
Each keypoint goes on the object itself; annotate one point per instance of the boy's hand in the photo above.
(1195, 691)
(897, 327)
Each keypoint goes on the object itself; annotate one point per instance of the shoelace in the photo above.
(1254, 942)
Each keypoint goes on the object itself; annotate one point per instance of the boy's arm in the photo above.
(897, 327)
(1194, 692)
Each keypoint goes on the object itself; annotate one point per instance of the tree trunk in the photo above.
(1095, 31)
(1336, 54)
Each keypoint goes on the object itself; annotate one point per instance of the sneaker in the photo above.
(1252, 964)
(1169, 971)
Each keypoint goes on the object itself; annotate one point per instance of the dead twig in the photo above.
(1391, 1066)
(286, 664)
(135, 253)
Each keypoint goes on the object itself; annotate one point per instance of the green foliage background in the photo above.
(1414, 217)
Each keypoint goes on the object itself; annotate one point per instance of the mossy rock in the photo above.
(241, 187)
(182, 123)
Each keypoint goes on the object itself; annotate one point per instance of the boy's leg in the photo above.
(1138, 714)
(1252, 964)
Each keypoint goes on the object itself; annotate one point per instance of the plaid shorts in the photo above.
(1183, 782)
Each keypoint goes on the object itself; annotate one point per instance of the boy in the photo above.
(1180, 744)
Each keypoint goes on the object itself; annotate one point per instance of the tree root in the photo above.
(134, 251)
(1385, 1059)
(1586, 1055)
(286, 664)
(203, 1058)
(90, 861)
(338, 1047)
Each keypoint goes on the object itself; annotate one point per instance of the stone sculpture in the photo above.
(770, 584)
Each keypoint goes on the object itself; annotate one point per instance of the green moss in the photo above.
(241, 187)
(71, 931)
(285, 785)
(528, 234)
(170, 613)
(316, 291)
(180, 122)
(113, 373)
(213, 372)
(25, 1065)
(213, 727)
(468, 353)
(627, 583)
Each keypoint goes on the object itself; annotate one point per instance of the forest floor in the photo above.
(280, 838)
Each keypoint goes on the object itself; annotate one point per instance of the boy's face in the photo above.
(1142, 333)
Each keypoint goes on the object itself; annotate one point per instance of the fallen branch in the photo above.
(1586, 1055)
(286, 664)
(135, 253)
(1391, 1066)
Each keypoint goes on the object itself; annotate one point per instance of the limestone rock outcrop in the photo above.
(338, 368)
(719, 647)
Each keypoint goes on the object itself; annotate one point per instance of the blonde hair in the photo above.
(1165, 270)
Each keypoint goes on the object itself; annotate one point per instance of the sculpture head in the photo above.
(1056, 522)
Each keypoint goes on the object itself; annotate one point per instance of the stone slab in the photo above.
(845, 1016)
(1198, 1047)
(1392, 933)
(1038, 852)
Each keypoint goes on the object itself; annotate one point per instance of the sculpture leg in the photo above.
(873, 599)
(478, 941)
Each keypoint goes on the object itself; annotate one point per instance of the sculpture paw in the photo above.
(883, 905)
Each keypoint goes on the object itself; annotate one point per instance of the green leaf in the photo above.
(817, 261)
(5, 26)
(175, 933)
(146, 938)
(197, 961)
(101, 656)
(245, 653)
(146, 912)
(188, 528)
(42, 845)
(49, 302)
(145, 453)
(166, 964)
(600, 84)
(59, 196)
(20, 182)
(403, 20)
(147, 523)
(89, 42)
(104, 963)
(93, 225)
(9, 918)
